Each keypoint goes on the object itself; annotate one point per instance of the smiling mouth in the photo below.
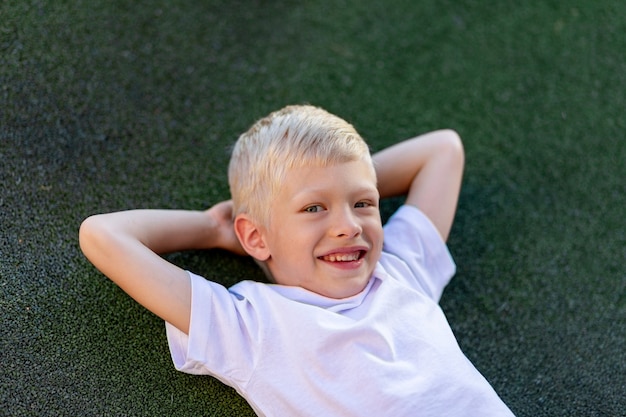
(343, 257)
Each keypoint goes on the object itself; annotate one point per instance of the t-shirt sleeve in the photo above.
(414, 252)
(222, 335)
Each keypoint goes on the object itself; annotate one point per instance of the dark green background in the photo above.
(108, 105)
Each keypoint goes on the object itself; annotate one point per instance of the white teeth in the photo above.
(342, 258)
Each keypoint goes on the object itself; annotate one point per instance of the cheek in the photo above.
(291, 245)
(377, 238)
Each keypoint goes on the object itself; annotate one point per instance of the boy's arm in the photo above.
(429, 170)
(125, 246)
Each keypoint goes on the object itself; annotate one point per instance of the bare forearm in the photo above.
(428, 170)
(124, 247)
(398, 166)
(161, 231)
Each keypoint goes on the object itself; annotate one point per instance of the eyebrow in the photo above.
(305, 192)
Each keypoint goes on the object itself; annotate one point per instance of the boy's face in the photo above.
(325, 232)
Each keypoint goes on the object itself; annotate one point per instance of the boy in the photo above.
(349, 327)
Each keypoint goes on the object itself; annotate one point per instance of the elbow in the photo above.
(97, 242)
(88, 234)
(85, 234)
(451, 146)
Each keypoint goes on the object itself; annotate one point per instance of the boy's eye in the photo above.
(362, 204)
(313, 209)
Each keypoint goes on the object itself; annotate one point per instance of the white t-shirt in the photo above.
(387, 351)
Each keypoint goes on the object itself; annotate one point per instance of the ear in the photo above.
(251, 237)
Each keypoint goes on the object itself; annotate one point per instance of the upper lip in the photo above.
(345, 250)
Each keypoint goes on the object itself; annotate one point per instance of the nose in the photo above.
(345, 224)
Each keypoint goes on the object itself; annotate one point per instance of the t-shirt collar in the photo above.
(305, 296)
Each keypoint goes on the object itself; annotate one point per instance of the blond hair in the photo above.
(293, 137)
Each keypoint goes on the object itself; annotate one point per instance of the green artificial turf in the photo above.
(114, 105)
